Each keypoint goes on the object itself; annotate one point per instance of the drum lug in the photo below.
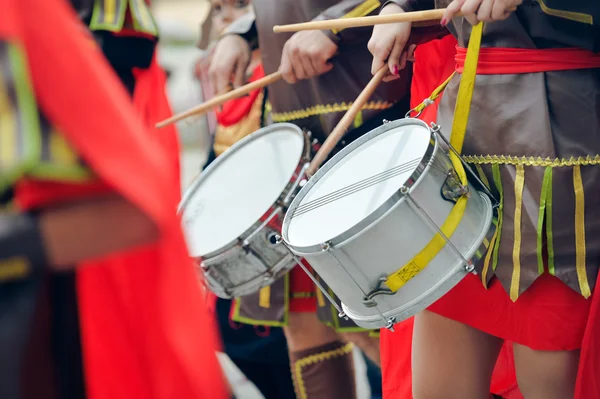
(390, 323)
(385, 122)
(452, 190)
(326, 246)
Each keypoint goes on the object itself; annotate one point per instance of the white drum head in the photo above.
(240, 187)
(351, 188)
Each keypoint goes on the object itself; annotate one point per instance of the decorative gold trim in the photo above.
(312, 359)
(516, 275)
(363, 9)
(531, 161)
(571, 15)
(326, 109)
(584, 285)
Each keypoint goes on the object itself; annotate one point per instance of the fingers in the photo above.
(411, 53)
(485, 11)
(451, 11)
(394, 57)
(285, 67)
(499, 11)
(469, 10)
(380, 50)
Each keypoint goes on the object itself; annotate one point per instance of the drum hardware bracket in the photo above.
(246, 241)
(452, 189)
(390, 323)
(341, 313)
(385, 122)
(425, 216)
(368, 300)
(298, 182)
(437, 130)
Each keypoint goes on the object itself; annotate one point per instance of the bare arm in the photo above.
(60, 237)
(93, 228)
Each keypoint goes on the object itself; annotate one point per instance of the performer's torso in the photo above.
(317, 104)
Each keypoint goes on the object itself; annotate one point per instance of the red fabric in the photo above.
(588, 381)
(301, 283)
(431, 68)
(145, 331)
(234, 110)
(498, 61)
(151, 101)
(547, 316)
(434, 63)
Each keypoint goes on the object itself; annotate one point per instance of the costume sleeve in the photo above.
(349, 9)
(422, 32)
(245, 27)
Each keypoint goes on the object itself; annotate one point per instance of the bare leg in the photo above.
(451, 360)
(367, 344)
(546, 374)
(322, 365)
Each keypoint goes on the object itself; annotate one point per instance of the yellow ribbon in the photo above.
(459, 127)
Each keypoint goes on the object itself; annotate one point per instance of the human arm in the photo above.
(60, 237)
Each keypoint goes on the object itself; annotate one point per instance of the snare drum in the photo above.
(232, 212)
(374, 206)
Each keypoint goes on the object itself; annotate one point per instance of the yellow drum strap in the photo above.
(459, 126)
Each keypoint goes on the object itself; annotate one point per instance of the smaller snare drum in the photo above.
(374, 206)
(232, 212)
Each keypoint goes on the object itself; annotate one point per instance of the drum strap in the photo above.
(459, 127)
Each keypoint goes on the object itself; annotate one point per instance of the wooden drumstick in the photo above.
(340, 129)
(223, 98)
(343, 23)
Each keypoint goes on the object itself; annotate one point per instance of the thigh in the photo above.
(451, 360)
(546, 374)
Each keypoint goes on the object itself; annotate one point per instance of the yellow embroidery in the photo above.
(312, 359)
(531, 161)
(574, 16)
(516, 276)
(580, 233)
(325, 109)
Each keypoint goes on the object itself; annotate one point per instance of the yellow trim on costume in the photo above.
(516, 276)
(498, 183)
(488, 257)
(482, 175)
(572, 15)
(321, 109)
(549, 234)
(546, 183)
(320, 298)
(312, 359)
(531, 161)
(16, 268)
(363, 9)
(584, 286)
(271, 323)
(459, 127)
(264, 297)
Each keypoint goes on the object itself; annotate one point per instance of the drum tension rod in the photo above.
(341, 313)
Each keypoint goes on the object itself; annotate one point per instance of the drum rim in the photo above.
(384, 208)
(197, 181)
